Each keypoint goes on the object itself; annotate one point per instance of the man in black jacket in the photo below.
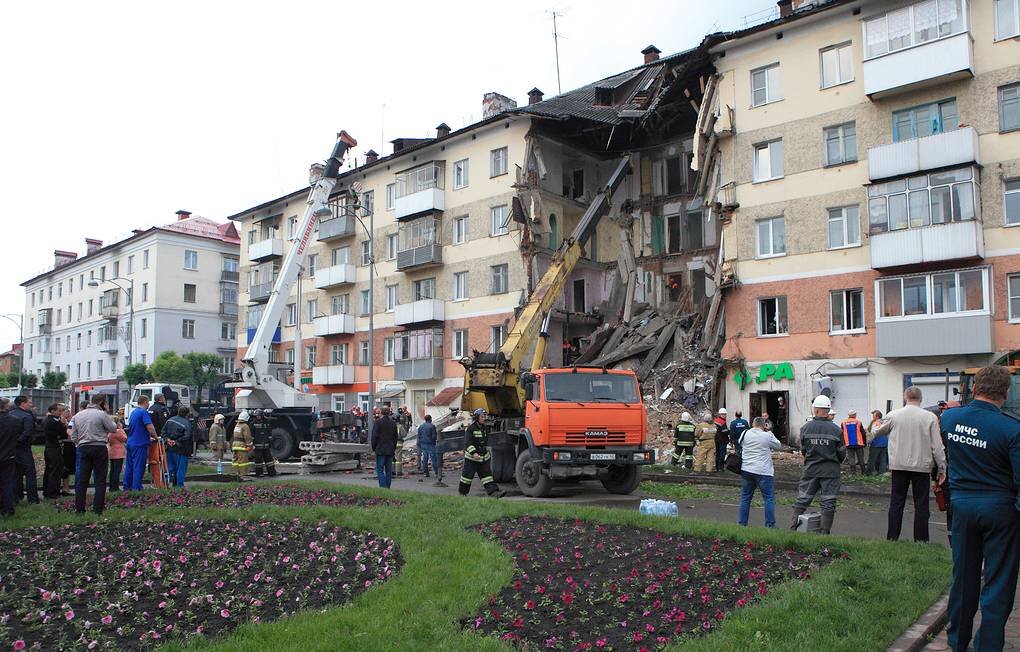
(10, 429)
(54, 433)
(159, 412)
(821, 443)
(384, 443)
(23, 459)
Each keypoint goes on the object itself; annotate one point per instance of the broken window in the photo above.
(694, 230)
(579, 299)
(674, 225)
(577, 184)
(699, 285)
(772, 318)
(675, 286)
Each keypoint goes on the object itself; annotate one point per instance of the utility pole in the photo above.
(556, 45)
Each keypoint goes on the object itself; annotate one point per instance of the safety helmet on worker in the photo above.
(479, 412)
(723, 411)
(686, 416)
(244, 416)
(822, 402)
(219, 418)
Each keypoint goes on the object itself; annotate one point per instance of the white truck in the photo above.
(149, 390)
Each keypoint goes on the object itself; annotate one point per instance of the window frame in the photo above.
(392, 241)
(459, 336)
(1015, 86)
(880, 194)
(846, 221)
(502, 270)
(930, 313)
(460, 236)
(194, 255)
(1015, 28)
(185, 329)
(495, 232)
(499, 155)
(844, 294)
(938, 104)
(912, 29)
(770, 95)
(461, 293)
(392, 297)
(463, 166)
(768, 146)
(194, 293)
(1006, 193)
(845, 45)
(842, 136)
(758, 313)
(757, 244)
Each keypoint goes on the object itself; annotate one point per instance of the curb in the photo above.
(721, 480)
(930, 623)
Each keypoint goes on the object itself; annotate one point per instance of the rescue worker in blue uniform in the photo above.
(478, 458)
(984, 475)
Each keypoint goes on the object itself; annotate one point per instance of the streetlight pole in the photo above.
(21, 331)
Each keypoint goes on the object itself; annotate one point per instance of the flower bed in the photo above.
(579, 585)
(130, 585)
(244, 496)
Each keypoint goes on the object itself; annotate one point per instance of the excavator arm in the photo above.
(491, 380)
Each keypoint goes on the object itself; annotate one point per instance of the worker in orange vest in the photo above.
(855, 441)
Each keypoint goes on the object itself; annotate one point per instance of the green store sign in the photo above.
(780, 371)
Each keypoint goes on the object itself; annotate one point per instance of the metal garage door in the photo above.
(851, 393)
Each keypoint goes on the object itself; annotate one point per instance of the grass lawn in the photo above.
(449, 572)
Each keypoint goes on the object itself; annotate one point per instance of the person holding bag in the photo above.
(756, 446)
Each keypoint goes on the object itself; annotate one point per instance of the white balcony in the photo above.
(418, 369)
(327, 277)
(44, 357)
(959, 146)
(942, 335)
(423, 201)
(336, 227)
(336, 374)
(928, 244)
(334, 325)
(108, 346)
(271, 248)
(933, 62)
(425, 310)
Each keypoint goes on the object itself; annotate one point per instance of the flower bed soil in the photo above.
(244, 496)
(581, 585)
(132, 585)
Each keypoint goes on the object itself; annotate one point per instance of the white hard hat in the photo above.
(831, 411)
(686, 416)
(723, 411)
(822, 401)
(218, 418)
(244, 416)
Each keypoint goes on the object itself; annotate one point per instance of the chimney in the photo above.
(495, 103)
(61, 258)
(651, 53)
(534, 96)
(785, 8)
(371, 156)
(183, 215)
(92, 246)
(443, 130)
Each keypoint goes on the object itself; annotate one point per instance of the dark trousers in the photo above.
(7, 474)
(878, 459)
(483, 470)
(53, 472)
(384, 470)
(720, 455)
(918, 483)
(93, 460)
(25, 464)
(985, 531)
(263, 459)
(855, 455)
(116, 467)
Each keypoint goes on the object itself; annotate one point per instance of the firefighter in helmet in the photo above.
(478, 457)
(241, 444)
(262, 436)
(683, 442)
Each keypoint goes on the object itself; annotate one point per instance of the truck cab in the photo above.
(149, 390)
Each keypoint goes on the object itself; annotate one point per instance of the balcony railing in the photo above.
(417, 312)
(418, 369)
(956, 147)
(230, 277)
(228, 310)
(342, 226)
(337, 374)
(420, 256)
(108, 345)
(327, 277)
(266, 249)
(928, 244)
(44, 357)
(109, 311)
(942, 335)
(419, 191)
(260, 292)
(334, 325)
(932, 62)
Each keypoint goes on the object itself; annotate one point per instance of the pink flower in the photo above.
(601, 642)
(47, 596)
(219, 584)
(518, 622)
(224, 613)
(279, 592)
(69, 614)
(19, 644)
(106, 620)
(157, 565)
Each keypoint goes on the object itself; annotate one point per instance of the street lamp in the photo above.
(21, 331)
(130, 289)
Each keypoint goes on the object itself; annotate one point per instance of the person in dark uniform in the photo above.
(10, 430)
(54, 432)
(821, 443)
(478, 458)
(262, 435)
(722, 438)
(683, 442)
(984, 474)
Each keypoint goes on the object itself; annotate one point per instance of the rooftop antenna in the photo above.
(556, 45)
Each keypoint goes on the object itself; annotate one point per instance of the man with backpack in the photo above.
(178, 434)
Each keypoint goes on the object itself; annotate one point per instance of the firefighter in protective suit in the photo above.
(683, 442)
(240, 444)
(262, 435)
(478, 458)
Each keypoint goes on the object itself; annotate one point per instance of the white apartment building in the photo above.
(182, 280)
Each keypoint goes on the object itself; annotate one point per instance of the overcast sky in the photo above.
(117, 114)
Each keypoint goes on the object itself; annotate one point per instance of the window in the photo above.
(291, 226)
(460, 229)
(309, 356)
(291, 314)
(499, 218)
(1007, 18)
(145, 259)
(366, 253)
(365, 301)
(102, 277)
(228, 365)
(340, 304)
(231, 265)
(189, 293)
(768, 161)
(88, 339)
(460, 174)
(765, 85)
(497, 162)
(844, 227)
(912, 25)
(228, 331)
(497, 335)
(1011, 201)
(1009, 107)
(460, 286)
(418, 345)
(931, 294)
(499, 278)
(116, 270)
(925, 120)
(288, 356)
(390, 191)
(338, 354)
(99, 368)
(145, 328)
(88, 369)
(130, 269)
(846, 311)
(368, 202)
(836, 65)
(937, 198)
(312, 310)
(840, 143)
(425, 289)
(460, 342)
(672, 174)
(340, 256)
(388, 350)
(190, 259)
(145, 296)
(188, 329)
(771, 237)
(81, 309)
(339, 403)
(363, 352)
(391, 246)
(312, 264)
(60, 289)
(391, 297)
(772, 316)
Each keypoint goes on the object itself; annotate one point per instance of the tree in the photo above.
(136, 374)
(206, 369)
(168, 367)
(9, 379)
(27, 380)
(54, 379)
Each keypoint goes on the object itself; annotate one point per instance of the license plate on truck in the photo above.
(602, 457)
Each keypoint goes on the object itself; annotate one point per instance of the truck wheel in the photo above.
(530, 478)
(282, 445)
(620, 479)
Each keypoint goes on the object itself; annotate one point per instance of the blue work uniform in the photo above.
(983, 445)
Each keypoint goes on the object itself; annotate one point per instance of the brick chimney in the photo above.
(495, 103)
(651, 53)
(371, 156)
(785, 8)
(92, 246)
(534, 96)
(183, 215)
(443, 130)
(61, 258)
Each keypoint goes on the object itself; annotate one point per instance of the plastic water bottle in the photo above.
(219, 467)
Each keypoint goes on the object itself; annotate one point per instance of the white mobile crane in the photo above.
(292, 415)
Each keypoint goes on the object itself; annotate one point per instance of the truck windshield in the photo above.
(591, 388)
(147, 393)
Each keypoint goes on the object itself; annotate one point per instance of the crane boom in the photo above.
(491, 379)
(259, 388)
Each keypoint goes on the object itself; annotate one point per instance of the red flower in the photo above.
(518, 585)
(624, 598)
(568, 598)
(529, 605)
(518, 622)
